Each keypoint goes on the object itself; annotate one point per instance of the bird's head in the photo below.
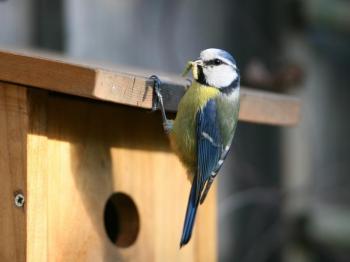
(215, 67)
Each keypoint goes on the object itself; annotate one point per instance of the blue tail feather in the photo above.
(190, 216)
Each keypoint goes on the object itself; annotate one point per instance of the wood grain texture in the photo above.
(37, 176)
(207, 227)
(13, 131)
(269, 108)
(132, 89)
(89, 150)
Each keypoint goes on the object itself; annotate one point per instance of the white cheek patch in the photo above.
(219, 76)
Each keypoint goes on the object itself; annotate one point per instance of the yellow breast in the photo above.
(183, 134)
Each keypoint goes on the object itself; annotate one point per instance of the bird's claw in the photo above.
(158, 104)
(157, 96)
(168, 126)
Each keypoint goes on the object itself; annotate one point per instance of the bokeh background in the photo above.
(284, 193)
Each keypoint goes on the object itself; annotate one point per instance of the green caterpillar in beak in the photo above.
(194, 66)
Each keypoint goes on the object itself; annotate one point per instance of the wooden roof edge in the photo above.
(133, 89)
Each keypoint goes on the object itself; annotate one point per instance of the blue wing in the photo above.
(209, 152)
(209, 145)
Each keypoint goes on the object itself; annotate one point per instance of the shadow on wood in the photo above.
(95, 149)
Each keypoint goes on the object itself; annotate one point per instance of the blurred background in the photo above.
(284, 193)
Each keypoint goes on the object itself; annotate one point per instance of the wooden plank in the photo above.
(269, 108)
(13, 131)
(132, 89)
(37, 176)
(77, 80)
(206, 228)
(95, 150)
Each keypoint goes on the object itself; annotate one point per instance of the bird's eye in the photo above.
(217, 62)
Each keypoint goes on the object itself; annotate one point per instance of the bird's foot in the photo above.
(168, 126)
(158, 104)
(157, 96)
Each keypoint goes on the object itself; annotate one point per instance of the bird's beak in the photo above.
(194, 66)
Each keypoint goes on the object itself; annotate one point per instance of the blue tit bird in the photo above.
(202, 132)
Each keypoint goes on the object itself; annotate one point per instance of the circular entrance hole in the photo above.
(121, 219)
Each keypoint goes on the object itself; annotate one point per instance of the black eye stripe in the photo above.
(214, 62)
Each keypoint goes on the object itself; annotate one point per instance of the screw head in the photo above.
(19, 200)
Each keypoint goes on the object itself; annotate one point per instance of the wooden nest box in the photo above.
(86, 178)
